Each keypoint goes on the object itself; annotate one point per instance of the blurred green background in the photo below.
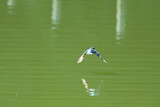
(41, 41)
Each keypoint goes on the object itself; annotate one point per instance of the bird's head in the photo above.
(93, 47)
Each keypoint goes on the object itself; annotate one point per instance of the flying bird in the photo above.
(89, 52)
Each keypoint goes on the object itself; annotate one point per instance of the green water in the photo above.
(38, 54)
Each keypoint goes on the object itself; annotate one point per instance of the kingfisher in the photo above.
(89, 52)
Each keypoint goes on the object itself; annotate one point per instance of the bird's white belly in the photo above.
(89, 52)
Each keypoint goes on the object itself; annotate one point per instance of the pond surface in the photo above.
(41, 41)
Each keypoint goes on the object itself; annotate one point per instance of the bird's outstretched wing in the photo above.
(104, 61)
(97, 53)
(81, 57)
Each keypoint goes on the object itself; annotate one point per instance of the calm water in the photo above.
(41, 41)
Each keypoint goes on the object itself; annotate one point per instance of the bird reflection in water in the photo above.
(92, 91)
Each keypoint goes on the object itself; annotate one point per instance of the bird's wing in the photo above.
(104, 61)
(97, 53)
(81, 57)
